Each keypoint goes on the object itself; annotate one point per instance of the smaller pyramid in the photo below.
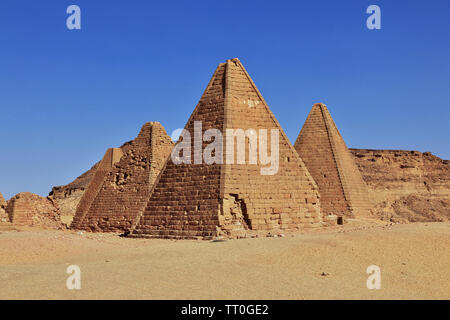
(121, 185)
(343, 192)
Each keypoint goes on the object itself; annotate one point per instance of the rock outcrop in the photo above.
(406, 185)
(30, 209)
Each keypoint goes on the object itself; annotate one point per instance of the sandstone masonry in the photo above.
(320, 145)
(206, 200)
(32, 210)
(121, 184)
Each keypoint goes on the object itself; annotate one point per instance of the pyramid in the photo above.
(342, 189)
(192, 200)
(120, 187)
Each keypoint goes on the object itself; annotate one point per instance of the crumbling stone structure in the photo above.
(120, 187)
(2, 201)
(3, 215)
(206, 200)
(343, 192)
(32, 210)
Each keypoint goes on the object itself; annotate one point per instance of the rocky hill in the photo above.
(406, 185)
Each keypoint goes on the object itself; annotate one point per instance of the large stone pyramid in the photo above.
(343, 192)
(203, 200)
(120, 187)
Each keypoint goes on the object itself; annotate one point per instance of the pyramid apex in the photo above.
(152, 123)
(319, 104)
(235, 60)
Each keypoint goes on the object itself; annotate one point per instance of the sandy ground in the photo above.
(414, 261)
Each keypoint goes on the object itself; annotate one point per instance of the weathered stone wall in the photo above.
(320, 145)
(201, 200)
(32, 210)
(125, 188)
(406, 185)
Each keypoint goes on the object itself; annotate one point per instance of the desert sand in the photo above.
(318, 264)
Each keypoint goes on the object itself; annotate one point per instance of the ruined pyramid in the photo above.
(198, 199)
(120, 187)
(342, 189)
(26, 208)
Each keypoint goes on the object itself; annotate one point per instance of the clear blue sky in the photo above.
(66, 96)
